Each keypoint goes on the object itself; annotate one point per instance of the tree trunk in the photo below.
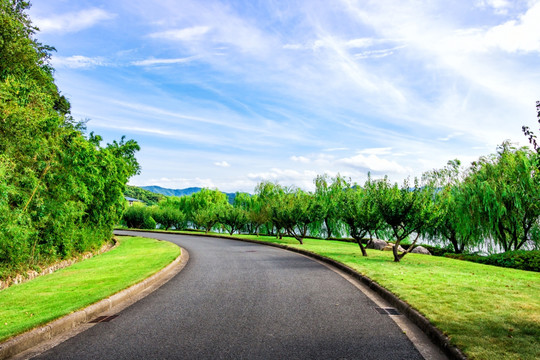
(397, 258)
(362, 248)
(327, 228)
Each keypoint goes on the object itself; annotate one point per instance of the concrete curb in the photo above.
(436, 335)
(46, 332)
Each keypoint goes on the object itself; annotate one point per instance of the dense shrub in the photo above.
(61, 191)
(519, 259)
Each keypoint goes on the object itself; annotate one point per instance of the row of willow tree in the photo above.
(495, 200)
(61, 192)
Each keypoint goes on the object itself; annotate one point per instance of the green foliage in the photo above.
(359, 210)
(61, 191)
(455, 225)
(169, 217)
(406, 210)
(328, 193)
(149, 223)
(519, 259)
(233, 218)
(505, 196)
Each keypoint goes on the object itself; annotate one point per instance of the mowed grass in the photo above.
(487, 311)
(46, 298)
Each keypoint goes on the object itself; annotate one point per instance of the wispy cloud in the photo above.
(288, 90)
(373, 163)
(73, 21)
(152, 62)
(301, 159)
(222, 164)
(77, 61)
(186, 34)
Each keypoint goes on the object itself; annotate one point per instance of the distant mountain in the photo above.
(171, 192)
(147, 197)
(181, 192)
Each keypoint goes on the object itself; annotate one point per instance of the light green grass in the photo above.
(46, 298)
(488, 312)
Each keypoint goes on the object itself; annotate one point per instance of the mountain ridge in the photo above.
(181, 192)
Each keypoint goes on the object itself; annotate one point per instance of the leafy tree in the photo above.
(207, 218)
(62, 192)
(295, 211)
(359, 211)
(455, 215)
(270, 196)
(407, 210)
(169, 217)
(505, 195)
(328, 193)
(233, 218)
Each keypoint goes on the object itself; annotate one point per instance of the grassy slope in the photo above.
(487, 311)
(25, 306)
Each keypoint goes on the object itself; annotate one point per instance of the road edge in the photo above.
(31, 338)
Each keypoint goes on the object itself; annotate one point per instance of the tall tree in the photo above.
(505, 194)
(455, 223)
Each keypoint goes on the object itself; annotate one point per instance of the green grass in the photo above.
(46, 298)
(487, 311)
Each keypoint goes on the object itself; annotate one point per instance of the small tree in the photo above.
(233, 218)
(328, 194)
(169, 217)
(359, 211)
(207, 218)
(407, 210)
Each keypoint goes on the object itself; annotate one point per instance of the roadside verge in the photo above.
(67, 323)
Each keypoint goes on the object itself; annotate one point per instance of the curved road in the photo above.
(237, 300)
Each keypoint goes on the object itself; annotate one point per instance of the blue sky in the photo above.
(225, 94)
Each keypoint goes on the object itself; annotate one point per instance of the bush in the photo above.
(149, 223)
(519, 259)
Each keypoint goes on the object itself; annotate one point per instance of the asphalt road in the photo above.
(237, 300)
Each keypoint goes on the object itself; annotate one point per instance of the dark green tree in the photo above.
(408, 210)
(505, 194)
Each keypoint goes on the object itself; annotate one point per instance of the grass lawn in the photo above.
(46, 298)
(487, 311)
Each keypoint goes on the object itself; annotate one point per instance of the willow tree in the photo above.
(455, 214)
(505, 194)
(328, 192)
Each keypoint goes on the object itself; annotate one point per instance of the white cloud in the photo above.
(222, 164)
(373, 163)
(451, 136)
(377, 53)
(73, 21)
(287, 177)
(77, 61)
(522, 34)
(185, 34)
(151, 62)
(301, 159)
(376, 151)
(499, 6)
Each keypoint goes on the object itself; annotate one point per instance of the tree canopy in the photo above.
(61, 190)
